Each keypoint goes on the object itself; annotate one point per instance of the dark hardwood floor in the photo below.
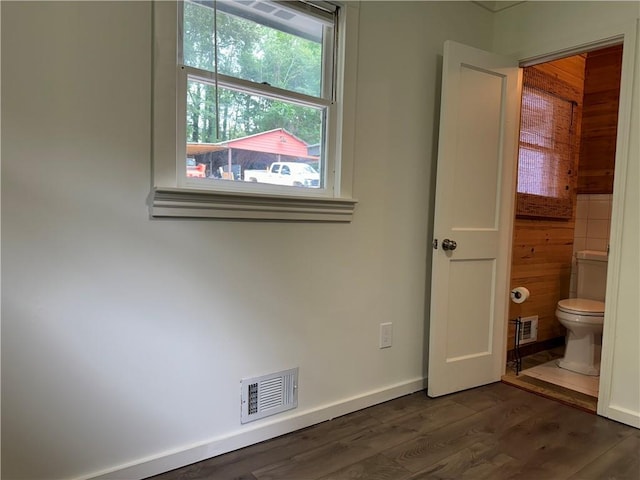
(495, 432)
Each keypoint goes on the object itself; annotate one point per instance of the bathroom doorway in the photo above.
(564, 206)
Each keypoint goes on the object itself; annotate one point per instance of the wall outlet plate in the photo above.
(386, 334)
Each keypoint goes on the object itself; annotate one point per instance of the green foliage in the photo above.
(252, 52)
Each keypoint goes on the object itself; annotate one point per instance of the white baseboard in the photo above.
(622, 415)
(265, 430)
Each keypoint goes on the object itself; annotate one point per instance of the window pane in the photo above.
(198, 45)
(263, 42)
(536, 173)
(256, 134)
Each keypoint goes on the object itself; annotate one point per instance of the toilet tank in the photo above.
(592, 274)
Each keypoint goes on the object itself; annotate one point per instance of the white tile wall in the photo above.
(593, 225)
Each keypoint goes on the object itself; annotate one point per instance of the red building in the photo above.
(254, 152)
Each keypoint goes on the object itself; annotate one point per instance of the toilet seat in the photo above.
(582, 307)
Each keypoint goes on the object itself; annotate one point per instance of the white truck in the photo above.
(285, 173)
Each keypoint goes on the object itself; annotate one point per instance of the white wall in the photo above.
(535, 28)
(124, 338)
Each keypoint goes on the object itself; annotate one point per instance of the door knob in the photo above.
(449, 244)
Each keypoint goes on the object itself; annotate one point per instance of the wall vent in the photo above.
(268, 395)
(528, 329)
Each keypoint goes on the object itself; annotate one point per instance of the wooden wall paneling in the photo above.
(570, 70)
(541, 261)
(603, 70)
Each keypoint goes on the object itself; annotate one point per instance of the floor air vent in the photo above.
(528, 329)
(269, 394)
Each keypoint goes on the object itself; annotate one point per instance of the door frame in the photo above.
(592, 40)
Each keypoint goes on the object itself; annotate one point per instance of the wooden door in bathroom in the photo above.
(477, 155)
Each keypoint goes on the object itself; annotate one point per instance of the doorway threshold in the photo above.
(561, 394)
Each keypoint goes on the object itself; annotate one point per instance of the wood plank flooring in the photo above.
(495, 432)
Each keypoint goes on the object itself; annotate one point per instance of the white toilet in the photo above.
(583, 317)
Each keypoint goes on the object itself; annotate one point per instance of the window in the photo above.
(250, 117)
(548, 146)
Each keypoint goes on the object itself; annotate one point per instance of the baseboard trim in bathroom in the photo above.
(532, 348)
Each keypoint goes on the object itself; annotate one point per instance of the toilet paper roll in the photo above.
(519, 294)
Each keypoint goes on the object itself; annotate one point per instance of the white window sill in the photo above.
(175, 202)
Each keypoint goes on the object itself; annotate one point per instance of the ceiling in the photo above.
(496, 6)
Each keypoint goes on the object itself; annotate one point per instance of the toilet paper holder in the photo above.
(519, 294)
(517, 356)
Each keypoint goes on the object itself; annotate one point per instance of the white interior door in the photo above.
(477, 158)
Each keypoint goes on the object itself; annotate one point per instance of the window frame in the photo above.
(174, 195)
